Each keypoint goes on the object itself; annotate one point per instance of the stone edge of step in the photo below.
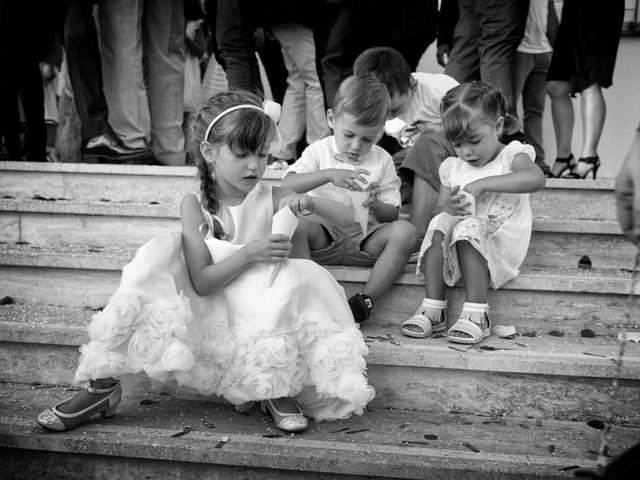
(141, 209)
(90, 257)
(189, 171)
(570, 356)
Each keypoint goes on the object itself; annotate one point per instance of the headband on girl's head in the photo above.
(271, 108)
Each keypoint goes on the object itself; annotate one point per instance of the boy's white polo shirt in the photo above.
(320, 156)
(425, 104)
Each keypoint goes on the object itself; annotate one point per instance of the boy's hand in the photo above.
(349, 178)
(374, 190)
(297, 203)
(274, 248)
(459, 203)
(419, 127)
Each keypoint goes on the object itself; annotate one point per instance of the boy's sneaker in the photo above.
(361, 306)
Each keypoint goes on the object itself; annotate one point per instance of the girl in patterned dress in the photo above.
(482, 233)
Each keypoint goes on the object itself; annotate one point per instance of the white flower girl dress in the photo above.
(296, 338)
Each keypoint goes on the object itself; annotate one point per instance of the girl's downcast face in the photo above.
(481, 144)
(237, 173)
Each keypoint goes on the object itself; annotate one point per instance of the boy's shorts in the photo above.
(345, 247)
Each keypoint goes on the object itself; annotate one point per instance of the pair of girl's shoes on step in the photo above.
(591, 165)
(107, 399)
(473, 324)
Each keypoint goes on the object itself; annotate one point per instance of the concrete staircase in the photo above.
(66, 230)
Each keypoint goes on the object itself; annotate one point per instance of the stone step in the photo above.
(561, 199)
(381, 444)
(554, 243)
(567, 298)
(543, 376)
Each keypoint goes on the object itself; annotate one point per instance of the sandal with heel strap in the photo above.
(54, 419)
(595, 165)
(287, 422)
(430, 318)
(569, 163)
(470, 322)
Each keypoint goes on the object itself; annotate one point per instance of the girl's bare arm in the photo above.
(525, 178)
(207, 276)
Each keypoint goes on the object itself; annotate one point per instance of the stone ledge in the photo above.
(390, 443)
(113, 258)
(89, 168)
(168, 211)
(86, 168)
(544, 354)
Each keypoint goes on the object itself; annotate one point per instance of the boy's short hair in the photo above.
(363, 97)
(387, 65)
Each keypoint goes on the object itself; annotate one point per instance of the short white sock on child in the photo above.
(475, 308)
(431, 303)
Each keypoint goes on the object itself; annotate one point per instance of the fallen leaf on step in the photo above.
(430, 436)
(356, 431)
(584, 262)
(525, 426)
(492, 349)
(207, 424)
(556, 333)
(146, 401)
(504, 331)
(552, 448)
(40, 197)
(404, 425)
(587, 333)
(594, 354)
(528, 334)
(222, 442)
(471, 447)
(418, 442)
(597, 424)
(538, 423)
(182, 432)
(630, 336)
(7, 301)
(521, 344)
(272, 435)
(341, 430)
(570, 467)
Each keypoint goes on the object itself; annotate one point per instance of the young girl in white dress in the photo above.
(198, 310)
(483, 232)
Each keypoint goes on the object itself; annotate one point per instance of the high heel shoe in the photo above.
(569, 162)
(595, 165)
(287, 422)
(53, 419)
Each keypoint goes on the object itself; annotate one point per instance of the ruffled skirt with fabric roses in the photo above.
(295, 338)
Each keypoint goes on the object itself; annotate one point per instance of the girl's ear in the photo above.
(207, 151)
(499, 125)
(331, 120)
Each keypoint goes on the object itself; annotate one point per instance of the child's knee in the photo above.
(404, 234)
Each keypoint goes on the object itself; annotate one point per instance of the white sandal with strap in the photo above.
(471, 318)
(430, 318)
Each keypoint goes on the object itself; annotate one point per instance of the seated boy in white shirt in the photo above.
(348, 167)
